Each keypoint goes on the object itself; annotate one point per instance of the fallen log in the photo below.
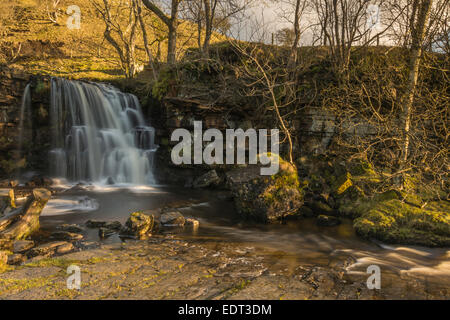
(22, 223)
(7, 199)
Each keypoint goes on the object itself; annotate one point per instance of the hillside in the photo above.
(30, 39)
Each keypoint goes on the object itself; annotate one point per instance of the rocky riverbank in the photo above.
(165, 267)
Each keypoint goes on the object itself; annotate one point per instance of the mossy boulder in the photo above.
(266, 198)
(319, 207)
(394, 221)
(139, 225)
(342, 183)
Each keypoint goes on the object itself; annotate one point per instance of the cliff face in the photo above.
(34, 137)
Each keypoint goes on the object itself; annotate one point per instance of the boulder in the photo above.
(114, 225)
(16, 259)
(95, 224)
(70, 228)
(67, 236)
(208, 179)
(105, 232)
(20, 246)
(192, 222)
(265, 198)
(139, 225)
(306, 212)
(327, 221)
(47, 249)
(319, 207)
(39, 181)
(172, 219)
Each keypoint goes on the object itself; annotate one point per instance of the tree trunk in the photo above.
(7, 199)
(208, 27)
(418, 28)
(171, 23)
(294, 50)
(172, 45)
(25, 222)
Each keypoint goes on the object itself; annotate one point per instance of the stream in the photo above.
(291, 243)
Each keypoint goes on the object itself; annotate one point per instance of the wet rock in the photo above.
(20, 246)
(265, 198)
(51, 248)
(327, 221)
(65, 248)
(70, 228)
(39, 181)
(110, 181)
(12, 183)
(319, 207)
(208, 179)
(192, 222)
(172, 219)
(139, 225)
(105, 232)
(16, 259)
(114, 225)
(306, 212)
(95, 224)
(67, 236)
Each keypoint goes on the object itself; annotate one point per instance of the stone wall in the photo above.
(34, 136)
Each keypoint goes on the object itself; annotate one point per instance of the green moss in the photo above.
(398, 222)
(161, 87)
(53, 262)
(342, 184)
(8, 285)
(40, 87)
(283, 182)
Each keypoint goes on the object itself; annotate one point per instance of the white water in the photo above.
(99, 135)
(25, 107)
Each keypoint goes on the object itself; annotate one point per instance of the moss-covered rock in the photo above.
(139, 225)
(342, 183)
(266, 198)
(319, 207)
(394, 221)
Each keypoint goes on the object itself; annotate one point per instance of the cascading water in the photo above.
(99, 135)
(25, 113)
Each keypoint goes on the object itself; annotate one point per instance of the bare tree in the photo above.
(419, 20)
(122, 38)
(172, 24)
(138, 12)
(214, 16)
(344, 24)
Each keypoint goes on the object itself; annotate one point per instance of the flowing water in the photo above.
(100, 137)
(25, 115)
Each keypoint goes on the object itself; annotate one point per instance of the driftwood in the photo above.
(7, 199)
(24, 221)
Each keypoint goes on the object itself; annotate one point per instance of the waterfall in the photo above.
(25, 107)
(99, 135)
